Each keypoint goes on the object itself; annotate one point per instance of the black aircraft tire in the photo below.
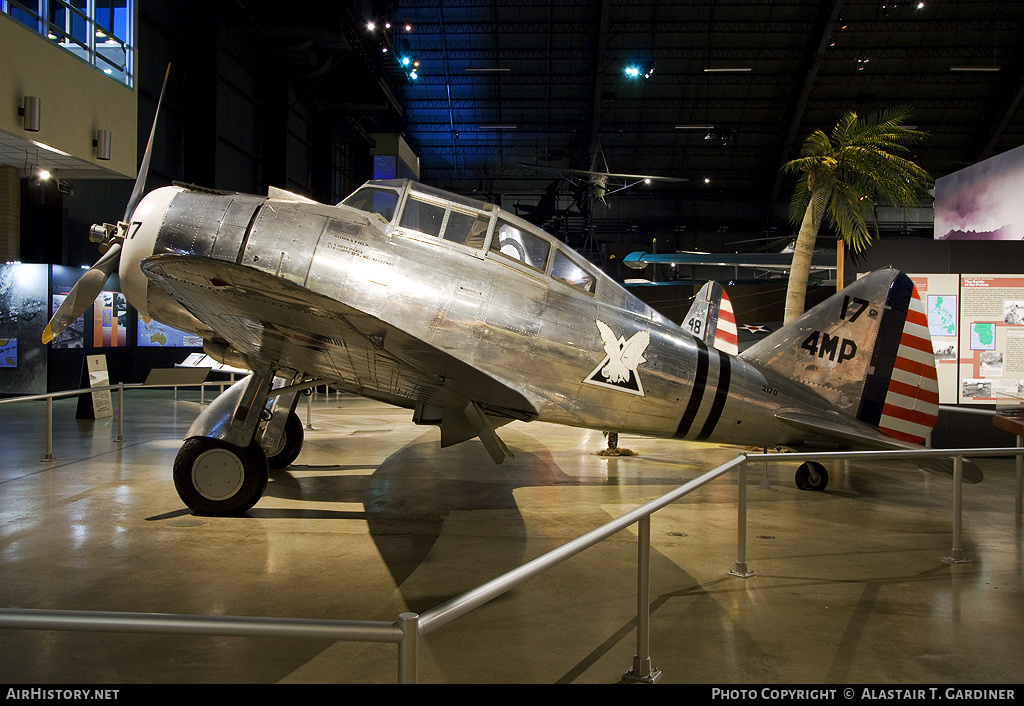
(290, 446)
(803, 476)
(213, 477)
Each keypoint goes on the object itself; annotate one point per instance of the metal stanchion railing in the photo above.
(410, 627)
(643, 671)
(1018, 494)
(409, 649)
(120, 413)
(956, 555)
(740, 569)
(48, 456)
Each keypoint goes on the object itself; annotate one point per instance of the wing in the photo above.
(590, 173)
(269, 319)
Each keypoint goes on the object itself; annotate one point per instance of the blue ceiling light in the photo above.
(634, 71)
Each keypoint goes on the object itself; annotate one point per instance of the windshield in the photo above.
(374, 200)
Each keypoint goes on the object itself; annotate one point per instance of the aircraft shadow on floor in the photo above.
(408, 497)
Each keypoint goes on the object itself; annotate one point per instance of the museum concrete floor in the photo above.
(852, 585)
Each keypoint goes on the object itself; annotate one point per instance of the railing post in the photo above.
(48, 456)
(120, 414)
(642, 670)
(741, 523)
(956, 555)
(409, 649)
(1019, 487)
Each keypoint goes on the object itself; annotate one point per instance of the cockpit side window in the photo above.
(568, 271)
(469, 229)
(380, 201)
(423, 216)
(521, 245)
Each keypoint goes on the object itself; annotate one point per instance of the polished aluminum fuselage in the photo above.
(476, 310)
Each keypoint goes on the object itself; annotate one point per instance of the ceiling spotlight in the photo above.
(632, 71)
(371, 26)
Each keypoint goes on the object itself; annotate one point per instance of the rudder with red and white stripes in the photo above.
(901, 391)
(866, 350)
(712, 320)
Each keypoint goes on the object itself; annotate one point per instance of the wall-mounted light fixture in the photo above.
(30, 114)
(102, 144)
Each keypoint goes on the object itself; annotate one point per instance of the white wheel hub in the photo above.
(217, 474)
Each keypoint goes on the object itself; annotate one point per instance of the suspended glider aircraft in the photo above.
(595, 183)
(471, 317)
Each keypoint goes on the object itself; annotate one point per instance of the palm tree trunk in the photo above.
(800, 271)
(840, 264)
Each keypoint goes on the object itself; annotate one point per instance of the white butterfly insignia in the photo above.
(618, 369)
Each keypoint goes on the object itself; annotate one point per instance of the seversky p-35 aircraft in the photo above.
(472, 317)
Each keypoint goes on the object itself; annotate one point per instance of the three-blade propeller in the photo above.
(91, 283)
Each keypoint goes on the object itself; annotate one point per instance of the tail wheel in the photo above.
(214, 477)
(287, 450)
(811, 476)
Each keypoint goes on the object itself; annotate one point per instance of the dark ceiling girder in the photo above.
(599, 60)
(829, 13)
(1010, 112)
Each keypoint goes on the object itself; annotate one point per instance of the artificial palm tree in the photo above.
(844, 175)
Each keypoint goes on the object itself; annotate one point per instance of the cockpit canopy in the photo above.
(415, 208)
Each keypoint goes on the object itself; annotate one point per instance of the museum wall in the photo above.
(76, 99)
(231, 119)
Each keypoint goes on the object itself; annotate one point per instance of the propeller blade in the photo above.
(83, 293)
(140, 180)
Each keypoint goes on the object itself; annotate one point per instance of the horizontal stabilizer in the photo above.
(863, 436)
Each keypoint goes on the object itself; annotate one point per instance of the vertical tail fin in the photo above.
(711, 319)
(868, 351)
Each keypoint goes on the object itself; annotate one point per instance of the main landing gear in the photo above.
(811, 475)
(223, 466)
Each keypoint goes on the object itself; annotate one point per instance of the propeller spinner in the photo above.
(110, 237)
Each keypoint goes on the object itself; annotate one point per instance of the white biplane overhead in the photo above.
(472, 317)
